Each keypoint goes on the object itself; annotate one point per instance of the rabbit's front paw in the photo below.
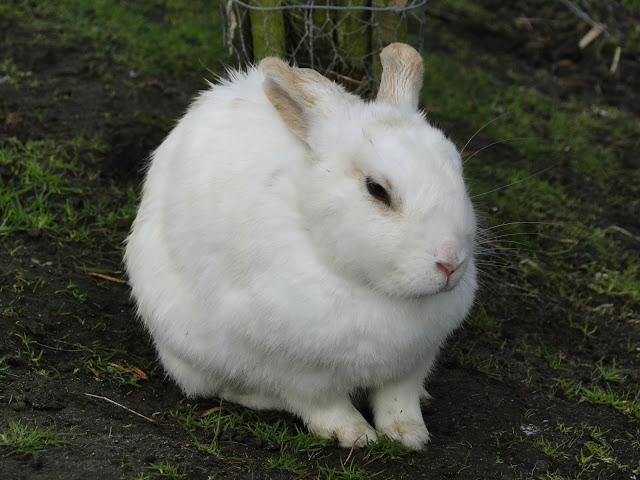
(339, 420)
(356, 434)
(411, 432)
(397, 414)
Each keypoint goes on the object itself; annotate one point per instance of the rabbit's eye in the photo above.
(378, 192)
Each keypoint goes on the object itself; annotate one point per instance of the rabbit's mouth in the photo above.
(443, 277)
(420, 294)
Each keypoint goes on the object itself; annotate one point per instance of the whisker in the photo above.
(516, 223)
(487, 286)
(487, 282)
(507, 251)
(483, 127)
(502, 240)
(503, 237)
(503, 245)
(498, 267)
(496, 143)
(497, 256)
(506, 238)
(496, 263)
(497, 246)
(489, 243)
(516, 182)
(483, 255)
(506, 256)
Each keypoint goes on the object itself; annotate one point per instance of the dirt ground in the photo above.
(77, 364)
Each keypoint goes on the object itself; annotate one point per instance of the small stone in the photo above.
(272, 446)
(542, 465)
(19, 397)
(16, 360)
(37, 463)
(18, 406)
(240, 438)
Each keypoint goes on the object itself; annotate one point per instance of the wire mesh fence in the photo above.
(342, 40)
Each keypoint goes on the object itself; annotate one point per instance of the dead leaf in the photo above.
(135, 371)
(564, 63)
(13, 118)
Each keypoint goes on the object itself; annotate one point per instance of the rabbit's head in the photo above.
(381, 192)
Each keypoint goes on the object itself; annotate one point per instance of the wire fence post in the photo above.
(340, 39)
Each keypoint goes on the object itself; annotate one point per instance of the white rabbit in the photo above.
(296, 245)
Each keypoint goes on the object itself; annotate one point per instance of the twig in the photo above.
(216, 409)
(106, 277)
(58, 349)
(575, 9)
(616, 59)
(589, 37)
(353, 446)
(119, 405)
(621, 230)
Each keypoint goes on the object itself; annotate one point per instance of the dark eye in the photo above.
(378, 192)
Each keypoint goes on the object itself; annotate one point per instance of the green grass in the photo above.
(102, 365)
(625, 400)
(548, 448)
(164, 470)
(589, 449)
(612, 374)
(35, 180)
(288, 462)
(219, 418)
(28, 348)
(174, 37)
(49, 189)
(556, 360)
(289, 438)
(4, 369)
(105, 365)
(486, 323)
(616, 282)
(8, 68)
(297, 449)
(346, 471)
(21, 438)
(453, 92)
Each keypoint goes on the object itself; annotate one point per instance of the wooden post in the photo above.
(353, 38)
(267, 31)
(389, 27)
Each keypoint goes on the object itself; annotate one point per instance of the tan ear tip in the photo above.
(401, 51)
(272, 63)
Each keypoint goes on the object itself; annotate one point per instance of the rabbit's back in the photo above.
(217, 179)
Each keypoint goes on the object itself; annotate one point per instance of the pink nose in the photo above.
(446, 268)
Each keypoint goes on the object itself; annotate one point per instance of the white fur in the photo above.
(267, 275)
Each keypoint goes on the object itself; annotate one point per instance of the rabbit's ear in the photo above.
(401, 76)
(297, 93)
